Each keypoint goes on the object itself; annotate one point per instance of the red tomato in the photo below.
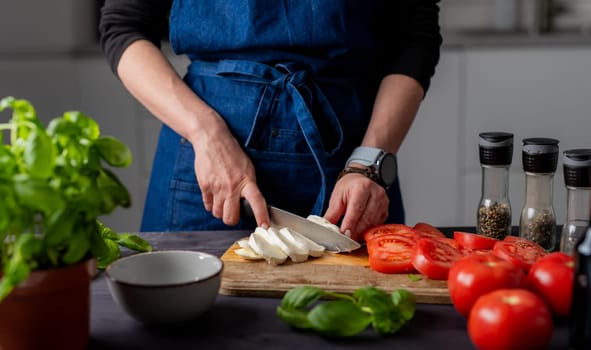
(474, 241)
(510, 319)
(400, 229)
(477, 274)
(391, 253)
(519, 251)
(433, 257)
(427, 230)
(552, 278)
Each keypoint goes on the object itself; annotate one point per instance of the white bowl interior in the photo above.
(164, 268)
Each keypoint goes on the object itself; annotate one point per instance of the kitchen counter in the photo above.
(252, 323)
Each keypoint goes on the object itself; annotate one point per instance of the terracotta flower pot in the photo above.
(49, 310)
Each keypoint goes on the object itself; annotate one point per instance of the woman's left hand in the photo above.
(361, 203)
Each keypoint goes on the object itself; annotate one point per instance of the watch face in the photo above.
(388, 169)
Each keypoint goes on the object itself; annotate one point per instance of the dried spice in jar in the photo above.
(494, 220)
(538, 220)
(541, 228)
(494, 209)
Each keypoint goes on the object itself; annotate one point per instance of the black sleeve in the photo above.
(124, 21)
(415, 40)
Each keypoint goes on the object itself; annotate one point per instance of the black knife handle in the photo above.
(246, 208)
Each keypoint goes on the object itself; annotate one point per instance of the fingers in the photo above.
(361, 201)
(257, 202)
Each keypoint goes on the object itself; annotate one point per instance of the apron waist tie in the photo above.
(290, 78)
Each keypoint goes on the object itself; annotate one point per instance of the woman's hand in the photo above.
(361, 203)
(223, 170)
(225, 174)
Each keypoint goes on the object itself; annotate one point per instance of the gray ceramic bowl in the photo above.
(167, 286)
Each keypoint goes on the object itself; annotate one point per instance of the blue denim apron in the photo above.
(297, 117)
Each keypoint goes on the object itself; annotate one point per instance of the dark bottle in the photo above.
(580, 320)
(538, 219)
(494, 209)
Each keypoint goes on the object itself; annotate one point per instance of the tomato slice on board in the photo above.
(391, 253)
(434, 257)
(400, 229)
(520, 251)
(427, 230)
(474, 241)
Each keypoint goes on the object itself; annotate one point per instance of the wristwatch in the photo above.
(380, 165)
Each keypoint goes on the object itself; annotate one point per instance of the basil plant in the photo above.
(53, 187)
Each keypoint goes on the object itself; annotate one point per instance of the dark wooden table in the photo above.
(251, 323)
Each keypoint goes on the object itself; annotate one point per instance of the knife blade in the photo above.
(329, 239)
(332, 241)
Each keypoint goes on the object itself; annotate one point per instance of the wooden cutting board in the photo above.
(342, 272)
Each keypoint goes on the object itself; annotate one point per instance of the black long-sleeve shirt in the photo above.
(410, 27)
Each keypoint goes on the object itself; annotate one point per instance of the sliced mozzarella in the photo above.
(296, 253)
(243, 243)
(323, 222)
(248, 254)
(314, 249)
(263, 245)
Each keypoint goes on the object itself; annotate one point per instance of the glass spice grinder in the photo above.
(577, 178)
(494, 209)
(538, 219)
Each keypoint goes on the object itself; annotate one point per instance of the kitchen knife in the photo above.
(331, 240)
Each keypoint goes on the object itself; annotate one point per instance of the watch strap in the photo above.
(367, 156)
(367, 172)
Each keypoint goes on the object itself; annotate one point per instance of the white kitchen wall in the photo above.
(470, 15)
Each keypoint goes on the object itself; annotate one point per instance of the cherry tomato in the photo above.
(552, 278)
(474, 241)
(477, 274)
(434, 257)
(427, 230)
(519, 251)
(510, 319)
(391, 253)
(400, 229)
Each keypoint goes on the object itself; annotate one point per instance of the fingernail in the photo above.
(348, 233)
(265, 225)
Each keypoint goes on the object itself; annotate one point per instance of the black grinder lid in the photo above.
(540, 155)
(577, 167)
(495, 148)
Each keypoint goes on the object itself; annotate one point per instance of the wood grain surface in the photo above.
(342, 272)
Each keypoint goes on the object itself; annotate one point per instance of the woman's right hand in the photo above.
(225, 174)
(223, 170)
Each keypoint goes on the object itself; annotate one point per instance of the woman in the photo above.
(278, 98)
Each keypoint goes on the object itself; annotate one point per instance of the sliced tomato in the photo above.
(474, 241)
(427, 230)
(433, 257)
(391, 253)
(450, 242)
(400, 229)
(520, 251)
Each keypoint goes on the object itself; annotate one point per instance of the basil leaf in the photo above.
(113, 151)
(111, 254)
(339, 318)
(106, 232)
(87, 126)
(134, 242)
(39, 154)
(301, 297)
(414, 277)
(36, 194)
(405, 302)
(78, 247)
(294, 317)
